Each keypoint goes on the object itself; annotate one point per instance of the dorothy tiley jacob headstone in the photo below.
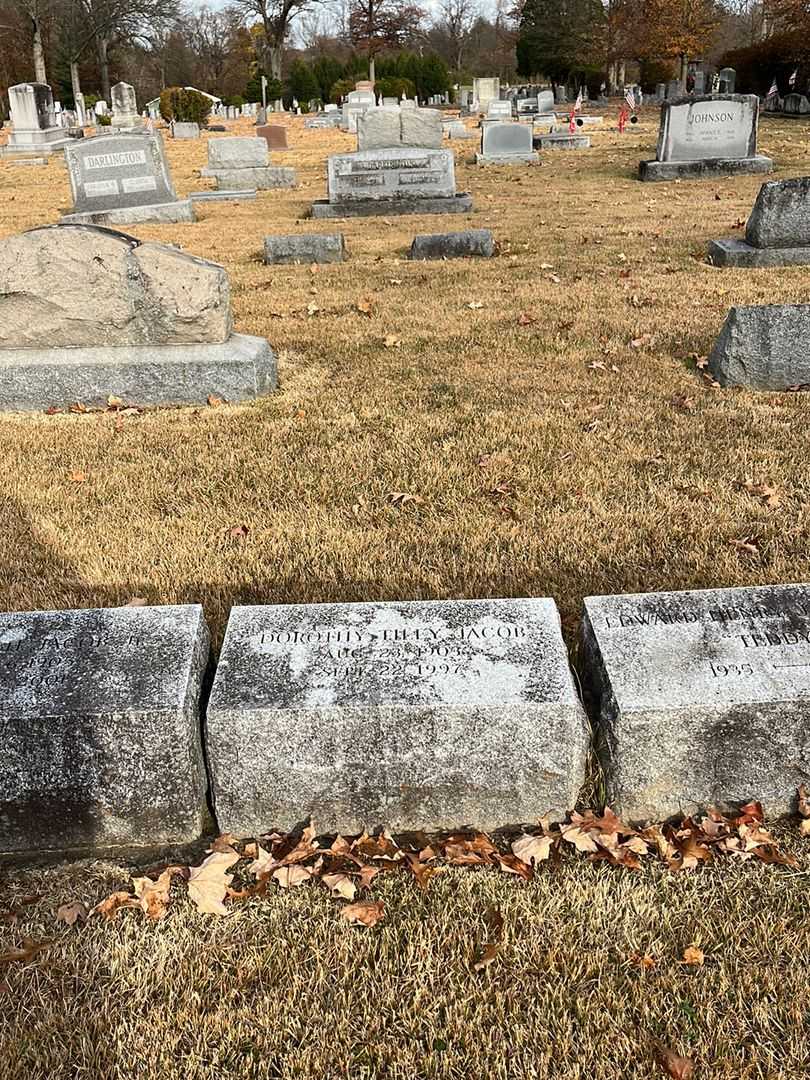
(121, 179)
(99, 724)
(703, 697)
(712, 135)
(412, 715)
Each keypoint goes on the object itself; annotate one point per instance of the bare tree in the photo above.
(375, 25)
(36, 14)
(276, 18)
(455, 21)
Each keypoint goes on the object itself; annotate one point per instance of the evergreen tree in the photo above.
(327, 71)
(301, 83)
(559, 37)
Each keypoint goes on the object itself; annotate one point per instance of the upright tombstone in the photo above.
(124, 107)
(100, 728)
(560, 95)
(355, 104)
(545, 103)
(796, 105)
(275, 135)
(499, 110)
(427, 714)
(728, 80)
(486, 90)
(34, 127)
(713, 135)
(764, 347)
(507, 144)
(242, 164)
(699, 87)
(674, 89)
(122, 179)
(88, 312)
(777, 232)
(388, 126)
(702, 698)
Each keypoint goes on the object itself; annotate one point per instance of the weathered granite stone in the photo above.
(265, 178)
(120, 179)
(796, 104)
(781, 215)
(389, 175)
(709, 135)
(739, 254)
(703, 698)
(124, 106)
(421, 128)
(456, 245)
(222, 196)
(239, 369)
(72, 285)
(499, 110)
(305, 248)
(34, 126)
(236, 153)
(412, 715)
(378, 128)
(545, 101)
(182, 129)
(764, 347)
(507, 144)
(275, 135)
(561, 141)
(456, 204)
(100, 728)
(484, 91)
(456, 129)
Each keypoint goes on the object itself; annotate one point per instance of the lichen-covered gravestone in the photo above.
(100, 728)
(703, 698)
(242, 163)
(777, 232)
(763, 347)
(425, 714)
(87, 312)
(709, 136)
(122, 179)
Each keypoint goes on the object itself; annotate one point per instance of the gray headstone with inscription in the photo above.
(100, 729)
(703, 698)
(398, 180)
(507, 144)
(121, 179)
(425, 714)
(709, 135)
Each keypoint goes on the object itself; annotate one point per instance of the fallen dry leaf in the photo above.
(110, 906)
(288, 877)
(215, 401)
(532, 849)
(77, 477)
(340, 885)
(71, 913)
(364, 912)
(364, 306)
(208, 883)
(675, 1066)
(767, 493)
(391, 341)
(27, 951)
(403, 498)
(693, 957)
(154, 895)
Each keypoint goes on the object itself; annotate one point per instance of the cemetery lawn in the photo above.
(530, 425)
(525, 425)
(589, 976)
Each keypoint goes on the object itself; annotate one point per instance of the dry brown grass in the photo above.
(285, 988)
(618, 483)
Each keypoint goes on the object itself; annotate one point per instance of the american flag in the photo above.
(773, 92)
(792, 79)
(630, 98)
(578, 102)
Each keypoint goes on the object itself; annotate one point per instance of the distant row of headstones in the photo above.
(412, 715)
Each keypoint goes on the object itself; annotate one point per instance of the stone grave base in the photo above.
(166, 213)
(34, 149)
(706, 169)
(28, 161)
(456, 204)
(562, 141)
(238, 369)
(738, 253)
(261, 177)
(222, 196)
(508, 159)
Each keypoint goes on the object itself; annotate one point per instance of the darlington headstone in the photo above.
(703, 697)
(413, 715)
(713, 135)
(100, 728)
(121, 179)
(86, 313)
(399, 180)
(778, 230)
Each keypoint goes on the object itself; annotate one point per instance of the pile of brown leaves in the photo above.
(235, 871)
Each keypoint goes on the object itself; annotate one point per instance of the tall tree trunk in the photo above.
(611, 77)
(684, 71)
(620, 76)
(372, 70)
(75, 82)
(275, 52)
(40, 74)
(104, 67)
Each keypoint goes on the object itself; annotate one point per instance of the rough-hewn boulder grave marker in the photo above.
(763, 346)
(703, 697)
(778, 230)
(415, 715)
(122, 179)
(87, 312)
(712, 135)
(100, 729)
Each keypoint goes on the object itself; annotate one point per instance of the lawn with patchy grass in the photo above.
(543, 410)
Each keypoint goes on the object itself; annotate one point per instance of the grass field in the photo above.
(543, 407)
